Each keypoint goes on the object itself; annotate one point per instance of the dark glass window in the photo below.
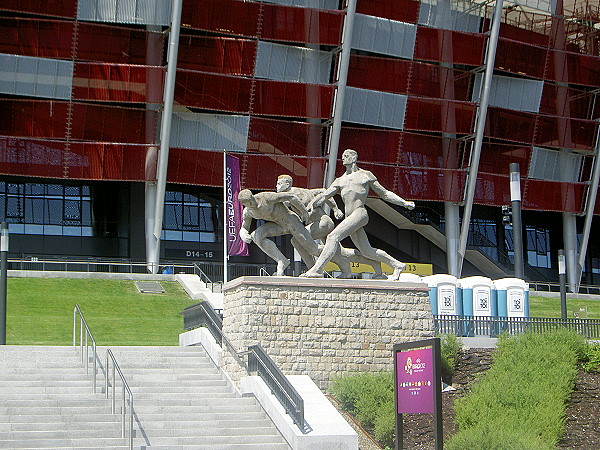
(188, 217)
(48, 209)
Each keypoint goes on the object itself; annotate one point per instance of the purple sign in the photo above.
(233, 208)
(415, 381)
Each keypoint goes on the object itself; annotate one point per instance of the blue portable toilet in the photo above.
(478, 299)
(513, 297)
(444, 295)
(478, 296)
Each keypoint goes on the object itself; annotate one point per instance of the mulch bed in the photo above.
(582, 424)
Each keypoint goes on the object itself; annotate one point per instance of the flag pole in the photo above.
(225, 234)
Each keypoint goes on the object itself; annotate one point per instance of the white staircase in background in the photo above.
(181, 401)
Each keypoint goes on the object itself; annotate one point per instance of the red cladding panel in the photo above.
(89, 161)
(400, 10)
(563, 101)
(517, 57)
(553, 196)
(223, 16)
(584, 69)
(449, 46)
(212, 91)
(379, 146)
(280, 137)
(381, 74)
(510, 125)
(35, 37)
(564, 132)
(420, 183)
(263, 170)
(313, 26)
(118, 83)
(439, 115)
(282, 23)
(119, 45)
(33, 118)
(293, 99)
(492, 189)
(495, 158)
(520, 34)
(217, 54)
(63, 8)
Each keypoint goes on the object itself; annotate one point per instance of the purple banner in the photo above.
(415, 381)
(233, 208)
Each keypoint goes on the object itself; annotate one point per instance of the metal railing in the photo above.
(85, 331)
(493, 326)
(125, 387)
(92, 265)
(541, 286)
(265, 367)
(202, 314)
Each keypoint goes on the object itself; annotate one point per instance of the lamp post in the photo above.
(515, 198)
(3, 271)
(562, 279)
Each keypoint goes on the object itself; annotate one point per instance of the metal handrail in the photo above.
(282, 389)
(203, 314)
(88, 337)
(125, 387)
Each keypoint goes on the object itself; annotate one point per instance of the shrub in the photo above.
(523, 393)
(450, 347)
(590, 361)
(370, 398)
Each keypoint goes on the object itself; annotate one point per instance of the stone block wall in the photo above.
(326, 327)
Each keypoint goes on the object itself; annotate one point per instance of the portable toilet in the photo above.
(478, 296)
(513, 297)
(444, 295)
(478, 299)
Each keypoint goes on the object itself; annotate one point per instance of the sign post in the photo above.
(418, 384)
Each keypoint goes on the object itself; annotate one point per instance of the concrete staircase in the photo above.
(181, 401)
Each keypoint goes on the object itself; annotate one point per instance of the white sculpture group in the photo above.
(290, 208)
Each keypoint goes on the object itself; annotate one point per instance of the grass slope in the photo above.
(550, 307)
(40, 311)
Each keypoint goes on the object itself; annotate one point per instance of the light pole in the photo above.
(515, 198)
(3, 271)
(562, 279)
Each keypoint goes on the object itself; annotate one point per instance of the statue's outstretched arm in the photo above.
(323, 197)
(389, 196)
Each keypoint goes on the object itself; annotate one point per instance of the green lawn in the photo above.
(550, 307)
(40, 311)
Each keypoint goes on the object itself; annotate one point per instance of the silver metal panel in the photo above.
(548, 6)
(374, 108)
(553, 165)
(317, 4)
(451, 15)
(36, 77)
(512, 93)
(209, 131)
(388, 37)
(147, 12)
(290, 63)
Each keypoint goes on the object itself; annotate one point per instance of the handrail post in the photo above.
(123, 409)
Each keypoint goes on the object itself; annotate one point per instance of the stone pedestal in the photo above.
(326, 327)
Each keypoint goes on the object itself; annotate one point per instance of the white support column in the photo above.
(589, 211)
(165, 129)
(452, 217)
(479, 130)
(570, 245)
(340, 93)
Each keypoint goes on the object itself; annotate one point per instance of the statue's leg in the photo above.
(260, 235)
(308, 259)
(355, 256)
(361, 241)
(346, 227)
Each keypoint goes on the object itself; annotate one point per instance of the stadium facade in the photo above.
(84, 137)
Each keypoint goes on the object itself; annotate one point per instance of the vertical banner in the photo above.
(233, 208)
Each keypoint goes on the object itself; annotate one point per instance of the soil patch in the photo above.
(582, 424)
